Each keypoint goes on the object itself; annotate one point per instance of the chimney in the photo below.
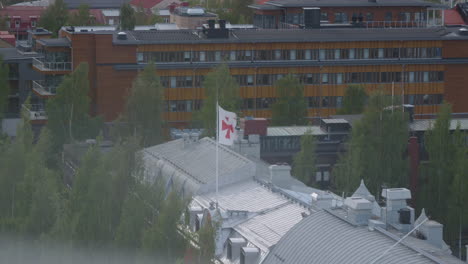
(121, 36)
(186, 140)
(234, 248)
(433, 231)
(359, 210)
(466, 253)
(395, 200)
(194, 137)
(249, 255)
(280, 175)
(323, 200)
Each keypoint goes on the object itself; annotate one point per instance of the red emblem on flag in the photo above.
(228, 127)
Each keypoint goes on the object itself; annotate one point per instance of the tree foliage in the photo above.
(376, 149)
(354, 100)
(290, 108)
(127, 17)
(218, 84)
(82, 17)
(207, 240)
(304, 161)
(54, 17)
(143, 111)
(68, 111)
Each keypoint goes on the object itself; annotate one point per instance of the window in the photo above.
(388, 16)
(250, 80)
(339, 101)
(426, 77)
(405, 17)
(341, 17)
(292, 54)
(351, 54)
(140, 57)
(202, 56)
(217, 55)
(324, 16)
(187, 56)
(325, 78)
(308, 55)
(232, 55)
(366, 53)
(381, 53)
(33, 23)
(370, 16)
(17, 23)
(339, 78)
(322, 54)
(173, 82)
(111, 21)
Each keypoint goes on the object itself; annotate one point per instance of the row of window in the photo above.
(344, 17)
(292, 54)
(312, 78)
(312, 102)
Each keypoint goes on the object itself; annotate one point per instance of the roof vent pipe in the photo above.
(122, 36)
(211, 23)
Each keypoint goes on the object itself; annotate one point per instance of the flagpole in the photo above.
(217, 149)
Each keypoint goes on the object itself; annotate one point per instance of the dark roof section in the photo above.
(352, 3)
(95, 4)
(290, 35)
(9, 54)
(58, 42)
(264, 7)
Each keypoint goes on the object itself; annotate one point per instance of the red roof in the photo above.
(452, 18)
(257, 126)
(147, 4)
(24, 12)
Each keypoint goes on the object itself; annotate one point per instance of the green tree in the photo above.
(127, 17)
(163, 235)
(143, 111)
(376, 149)
(241, 7)
(304, 161)
(290, 107)
(81, 17)
(354, 100)
(68, 111)
(4, 89)
(218, 84)
(54, 17)
(207, 240)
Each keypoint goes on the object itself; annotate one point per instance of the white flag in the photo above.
(226, 126)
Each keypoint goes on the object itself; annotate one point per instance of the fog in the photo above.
(14, 250)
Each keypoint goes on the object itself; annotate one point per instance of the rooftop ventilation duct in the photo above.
(395, 201)
(359, 210)
(122, 36)
(311, 17)
(234, 247)
(433, 232)
(280, 175)
(463, 31)
(249, 255)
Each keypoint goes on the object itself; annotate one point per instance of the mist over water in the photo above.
(15, 250)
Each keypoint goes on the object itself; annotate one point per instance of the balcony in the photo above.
(36, 112)
(43, 89)
(52, 66)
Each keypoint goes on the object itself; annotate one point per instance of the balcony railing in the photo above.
(45, 65)
(44, 89)
(36, 111)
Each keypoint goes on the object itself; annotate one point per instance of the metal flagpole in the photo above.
(217, 149)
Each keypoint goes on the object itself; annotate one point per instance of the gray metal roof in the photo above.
(289, 35)
(9, 54)
(424, 125)
(56, 42)
(196, 164)
(293, 131)
(352, 3)
(325, 238)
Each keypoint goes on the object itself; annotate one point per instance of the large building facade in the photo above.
(422, 66)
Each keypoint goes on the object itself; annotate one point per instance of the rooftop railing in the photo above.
(44, 89)
(44, 65)
(36, 111)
